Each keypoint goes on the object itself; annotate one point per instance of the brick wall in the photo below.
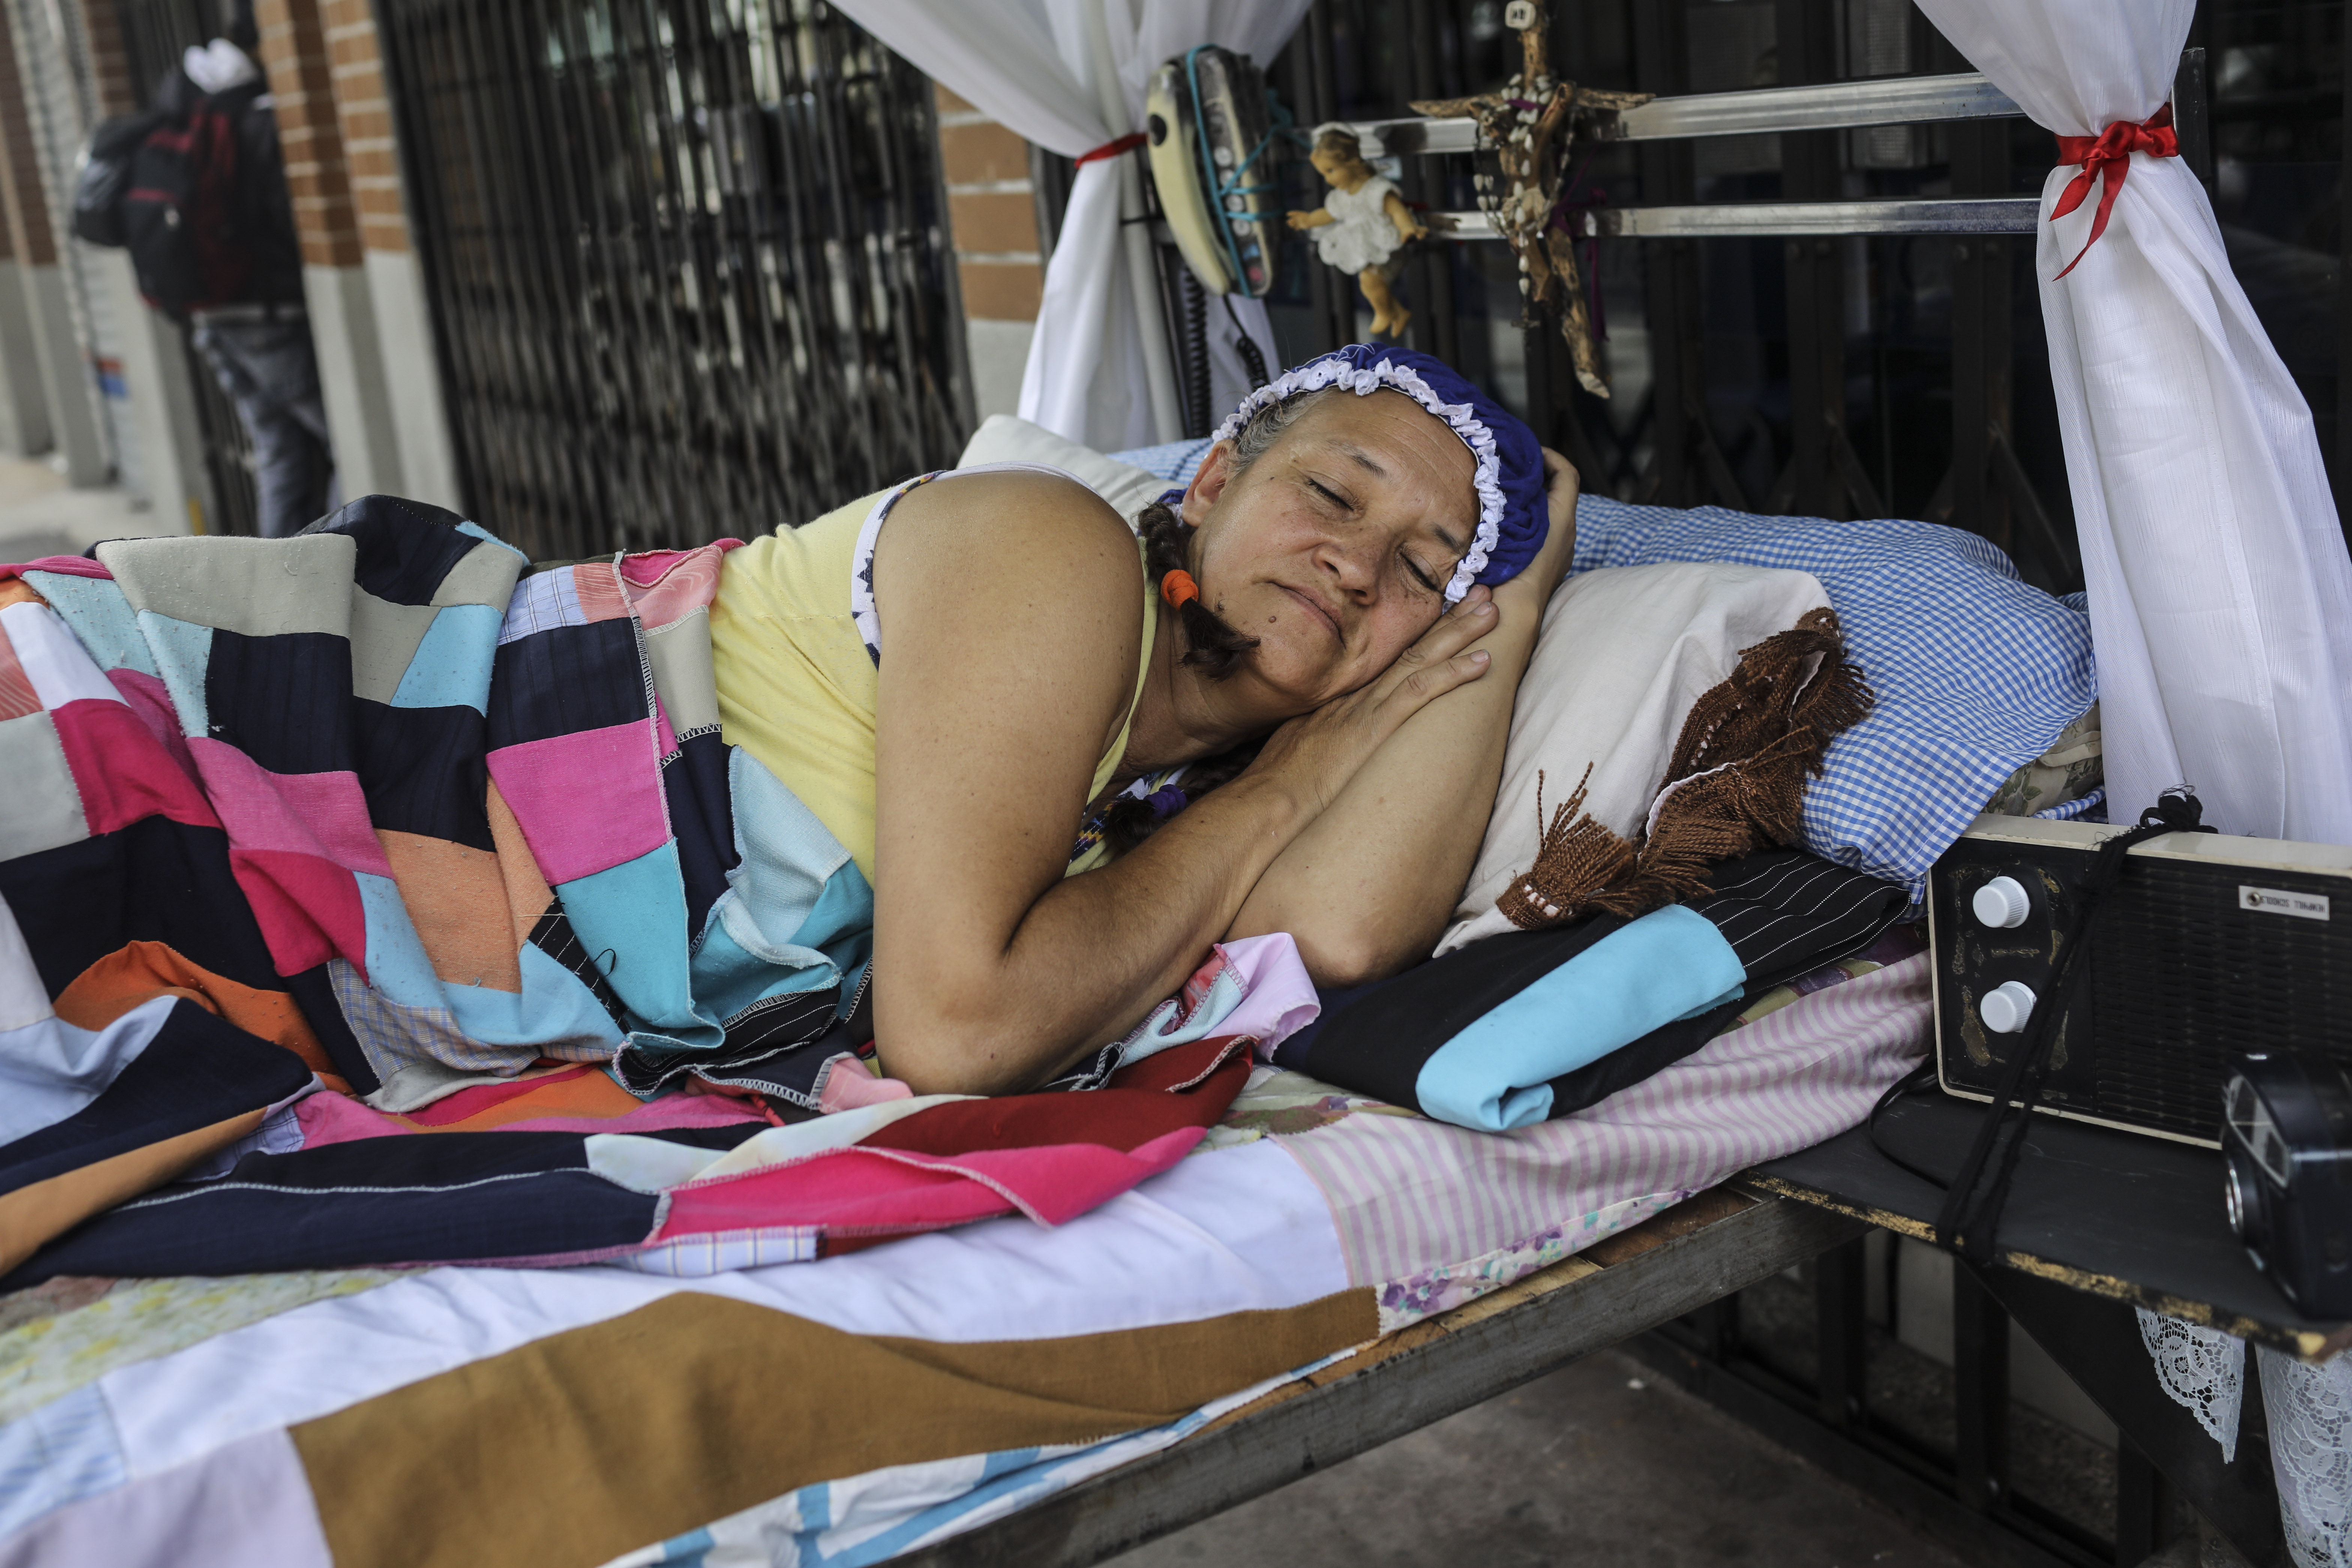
(302, 83)
(364, 110)
(21, 193)
(295, 54)
(110, 60)
(993, 211)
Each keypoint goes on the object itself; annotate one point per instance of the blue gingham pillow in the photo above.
(1976, 671)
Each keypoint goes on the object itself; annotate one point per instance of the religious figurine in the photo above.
(1529, 126)
(1362, 226)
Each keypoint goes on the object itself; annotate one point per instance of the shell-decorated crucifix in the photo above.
(1529, 125)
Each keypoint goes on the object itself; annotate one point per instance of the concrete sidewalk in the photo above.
(41, 515)
(1602, 1463)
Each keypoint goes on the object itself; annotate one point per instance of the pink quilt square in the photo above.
(598, 587)
(324, 815)
(124, 772)
(308, 909)
(587, 802)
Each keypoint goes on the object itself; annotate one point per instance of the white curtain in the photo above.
(2220, 593)
(1069, 75)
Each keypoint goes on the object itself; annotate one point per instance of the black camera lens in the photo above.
(2242, 1190)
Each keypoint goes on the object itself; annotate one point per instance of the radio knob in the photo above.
(2007, 1007)
(2002, 903)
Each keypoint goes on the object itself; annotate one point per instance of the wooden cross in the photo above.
(1529, 125)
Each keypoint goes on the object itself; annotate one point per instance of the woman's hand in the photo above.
(1315, 755)
(1561, 487)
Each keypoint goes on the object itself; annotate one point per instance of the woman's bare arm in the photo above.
(1366, 890)
(1011, 609)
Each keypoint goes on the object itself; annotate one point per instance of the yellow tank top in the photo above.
(796, 647)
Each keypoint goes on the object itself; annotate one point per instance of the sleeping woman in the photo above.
(1352, 582)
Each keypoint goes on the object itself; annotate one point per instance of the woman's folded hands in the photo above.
(1314, 755)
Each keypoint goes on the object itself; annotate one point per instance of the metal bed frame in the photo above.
(1698, 1252)
(1838, 106)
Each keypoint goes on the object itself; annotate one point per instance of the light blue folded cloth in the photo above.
(1497, 1074)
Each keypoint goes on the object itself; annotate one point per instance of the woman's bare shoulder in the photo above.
(1025, 588)
(1006, 528)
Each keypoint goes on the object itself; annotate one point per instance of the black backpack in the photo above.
(104, 173)
(164, 187)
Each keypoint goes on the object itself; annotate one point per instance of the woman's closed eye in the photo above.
(1326, 492)
(1415, 572)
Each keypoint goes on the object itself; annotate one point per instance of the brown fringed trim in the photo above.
(1738, 781)
(1577, 859)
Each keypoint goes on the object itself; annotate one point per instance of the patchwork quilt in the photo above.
(374, 813)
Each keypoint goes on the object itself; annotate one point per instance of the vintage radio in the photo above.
(2211, 945)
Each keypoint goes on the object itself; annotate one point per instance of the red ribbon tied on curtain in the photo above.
(1127, 144)
(2109, 154)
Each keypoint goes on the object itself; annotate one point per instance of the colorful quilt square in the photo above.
(451, 667)
(587, 802)
(323, 814)
(285, 701)
(124, 771)
(39, 808)
(254, 588)
(567, 680)
(422, 771)
(156, 880)
(405, 547)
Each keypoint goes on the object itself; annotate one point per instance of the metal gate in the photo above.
(687, 260)
(1810, 378)
(53, 57)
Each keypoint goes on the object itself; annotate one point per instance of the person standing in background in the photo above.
(257, 343)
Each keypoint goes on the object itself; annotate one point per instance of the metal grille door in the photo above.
(687, 260)
(53, 58)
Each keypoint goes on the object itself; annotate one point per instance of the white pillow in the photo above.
(1623, 654)
(1006, 438)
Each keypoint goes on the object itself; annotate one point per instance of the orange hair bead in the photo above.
(1178, 589)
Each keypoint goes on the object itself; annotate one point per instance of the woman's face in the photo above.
(1334, 548)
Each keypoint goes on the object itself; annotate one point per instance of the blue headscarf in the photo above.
(1513, 516)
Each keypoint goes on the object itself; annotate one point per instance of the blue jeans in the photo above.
(269, 372)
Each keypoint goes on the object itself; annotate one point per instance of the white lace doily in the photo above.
(2310, 1410)
(2203, 1369)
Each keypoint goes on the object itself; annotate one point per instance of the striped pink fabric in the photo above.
(1436, 1214)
